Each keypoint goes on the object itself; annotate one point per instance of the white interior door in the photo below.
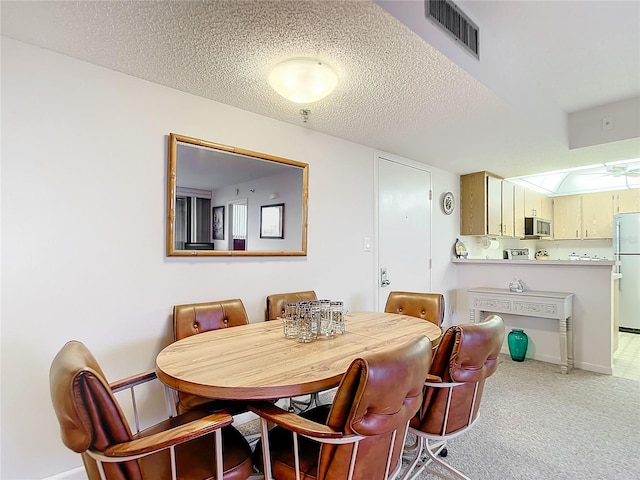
(404, 228)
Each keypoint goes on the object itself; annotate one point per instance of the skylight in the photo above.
(594, 178)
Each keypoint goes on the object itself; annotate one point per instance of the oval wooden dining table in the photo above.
(256, 361)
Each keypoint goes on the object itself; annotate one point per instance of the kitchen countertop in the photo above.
(574, 263)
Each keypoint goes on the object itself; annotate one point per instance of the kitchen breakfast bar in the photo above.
(592, 320)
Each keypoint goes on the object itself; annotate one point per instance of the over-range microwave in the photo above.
(537, 227)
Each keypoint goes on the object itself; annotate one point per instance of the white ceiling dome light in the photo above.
(303, 80)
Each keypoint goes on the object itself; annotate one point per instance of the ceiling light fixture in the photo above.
(592, 178)
(305, 112)
(303, 80)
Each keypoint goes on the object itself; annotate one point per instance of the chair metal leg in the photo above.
(298, 406)
(433, 450)
(219, 458)
(266, 453)
(409, 450)
(433, 454)
(418, 448)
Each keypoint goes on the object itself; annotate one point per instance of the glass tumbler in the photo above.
(305, 323)
(290, 320)
(314, 311)
(337, 317)
(326, 324)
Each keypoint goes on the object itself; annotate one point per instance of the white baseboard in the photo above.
(555, 360)
(547, 359)
(75, 474)
(594, 368)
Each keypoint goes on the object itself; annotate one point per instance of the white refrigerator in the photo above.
(626, 253)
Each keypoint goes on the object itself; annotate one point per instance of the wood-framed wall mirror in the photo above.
(215, 195)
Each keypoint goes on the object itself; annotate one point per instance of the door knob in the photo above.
(384, 281)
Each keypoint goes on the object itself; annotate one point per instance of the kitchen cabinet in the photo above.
(597, 215)
(494, 205)
(518, 210)
(537, 205)
(508, 209)
(567, 217)
(626, 201)
(486, 205)
(546, 207)
(532, 203)
(583, 216)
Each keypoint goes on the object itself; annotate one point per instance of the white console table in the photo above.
(555, 305)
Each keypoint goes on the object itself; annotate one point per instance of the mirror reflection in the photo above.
(218, 196)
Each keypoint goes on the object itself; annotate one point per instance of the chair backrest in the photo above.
(428, 306)
(193, 318)
(87, 411)
(377, 396)
(190, 319)
(277, 302)
(467, 354)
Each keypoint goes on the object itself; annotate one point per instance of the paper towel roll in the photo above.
(488, 244)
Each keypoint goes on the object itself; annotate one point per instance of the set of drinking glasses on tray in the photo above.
(307, 321)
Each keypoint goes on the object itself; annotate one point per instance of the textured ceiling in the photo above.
(396, 93)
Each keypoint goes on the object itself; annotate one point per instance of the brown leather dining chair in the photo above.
(92, 423)
(466, 356)
(428, 306)
(193, 318)
(361, 435)
(277, 302)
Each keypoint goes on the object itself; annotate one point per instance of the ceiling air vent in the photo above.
(448, 16)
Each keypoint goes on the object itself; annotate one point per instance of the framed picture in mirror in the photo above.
(272, 221)
(218, 223)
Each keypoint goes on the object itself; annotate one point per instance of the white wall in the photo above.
(445, 229)
(83, 220)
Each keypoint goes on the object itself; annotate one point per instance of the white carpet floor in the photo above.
(538, 424)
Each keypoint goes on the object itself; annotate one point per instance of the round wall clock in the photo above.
(448, 203)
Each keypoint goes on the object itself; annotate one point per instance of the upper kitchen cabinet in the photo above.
(508, 209)
(547, 207)
(597, 215)
(474, 205)
(587, 216)
(494, 205)
(537, 205)
(626, 201)
(518, 210)
(486, 205)
(567, 217)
